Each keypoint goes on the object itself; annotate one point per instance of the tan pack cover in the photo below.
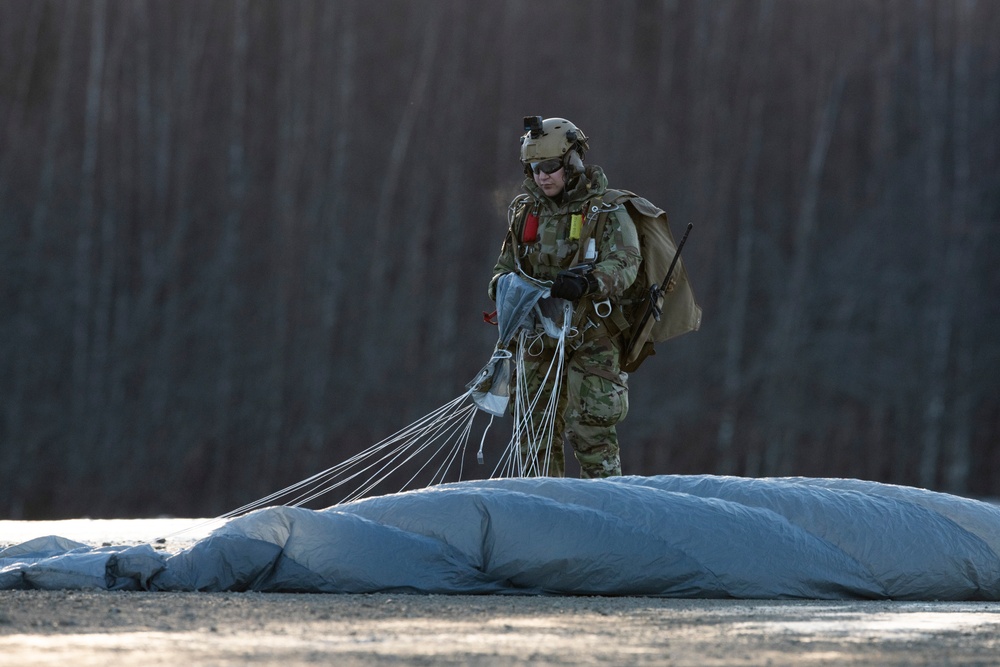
(680, 313)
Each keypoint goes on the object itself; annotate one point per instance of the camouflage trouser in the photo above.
(593, 400)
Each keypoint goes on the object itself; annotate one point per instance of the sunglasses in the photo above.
(548, 166)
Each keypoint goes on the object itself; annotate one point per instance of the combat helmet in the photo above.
(553, 138)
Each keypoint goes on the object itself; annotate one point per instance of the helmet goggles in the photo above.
(548, 166)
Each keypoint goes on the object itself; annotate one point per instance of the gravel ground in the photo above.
(100, 628)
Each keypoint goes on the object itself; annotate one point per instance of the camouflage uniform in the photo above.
(595, 397)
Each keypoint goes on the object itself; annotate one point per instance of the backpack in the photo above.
(679, 313)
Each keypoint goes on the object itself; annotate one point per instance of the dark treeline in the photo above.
(242, 241)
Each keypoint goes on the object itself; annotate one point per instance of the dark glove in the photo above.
(572, 286)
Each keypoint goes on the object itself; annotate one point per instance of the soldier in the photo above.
(550, 233)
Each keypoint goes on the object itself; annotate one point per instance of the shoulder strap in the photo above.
(598, 210)
(593, 227)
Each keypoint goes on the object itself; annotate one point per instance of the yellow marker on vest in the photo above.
(575, 226)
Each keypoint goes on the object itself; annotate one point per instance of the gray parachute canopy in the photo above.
(516, 301)
(520, 305)
(677, 536)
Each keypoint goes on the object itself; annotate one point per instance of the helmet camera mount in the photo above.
(533, 126)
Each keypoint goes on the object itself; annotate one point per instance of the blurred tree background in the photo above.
(241, 241)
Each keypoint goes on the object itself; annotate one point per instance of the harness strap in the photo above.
(524, 234)
(515, 233)
(596, 222)
(593, 227)
(617, 318)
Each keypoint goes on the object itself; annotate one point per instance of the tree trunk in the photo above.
(939, 313)
(783, 385)
(83, 288)
(742, 275)
(956, 283)
(331, 255)
(103, 394)
(225, 276)
(383, 225)
(23, 438)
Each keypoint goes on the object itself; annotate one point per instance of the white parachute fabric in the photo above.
(490, 391)
(676, 536)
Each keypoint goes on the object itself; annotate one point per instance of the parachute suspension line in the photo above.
(536, 433)
(482, 442)
(535, 427)
(513, 461)
(449, 426)
(388, 449)
(444, 431)
(441, 437)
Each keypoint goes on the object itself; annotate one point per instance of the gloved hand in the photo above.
(573, 286)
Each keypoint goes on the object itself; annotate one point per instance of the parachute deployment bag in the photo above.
(679, 313)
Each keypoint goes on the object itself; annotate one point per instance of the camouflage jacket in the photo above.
(618, 257)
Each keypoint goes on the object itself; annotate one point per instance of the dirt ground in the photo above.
(99, 628)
